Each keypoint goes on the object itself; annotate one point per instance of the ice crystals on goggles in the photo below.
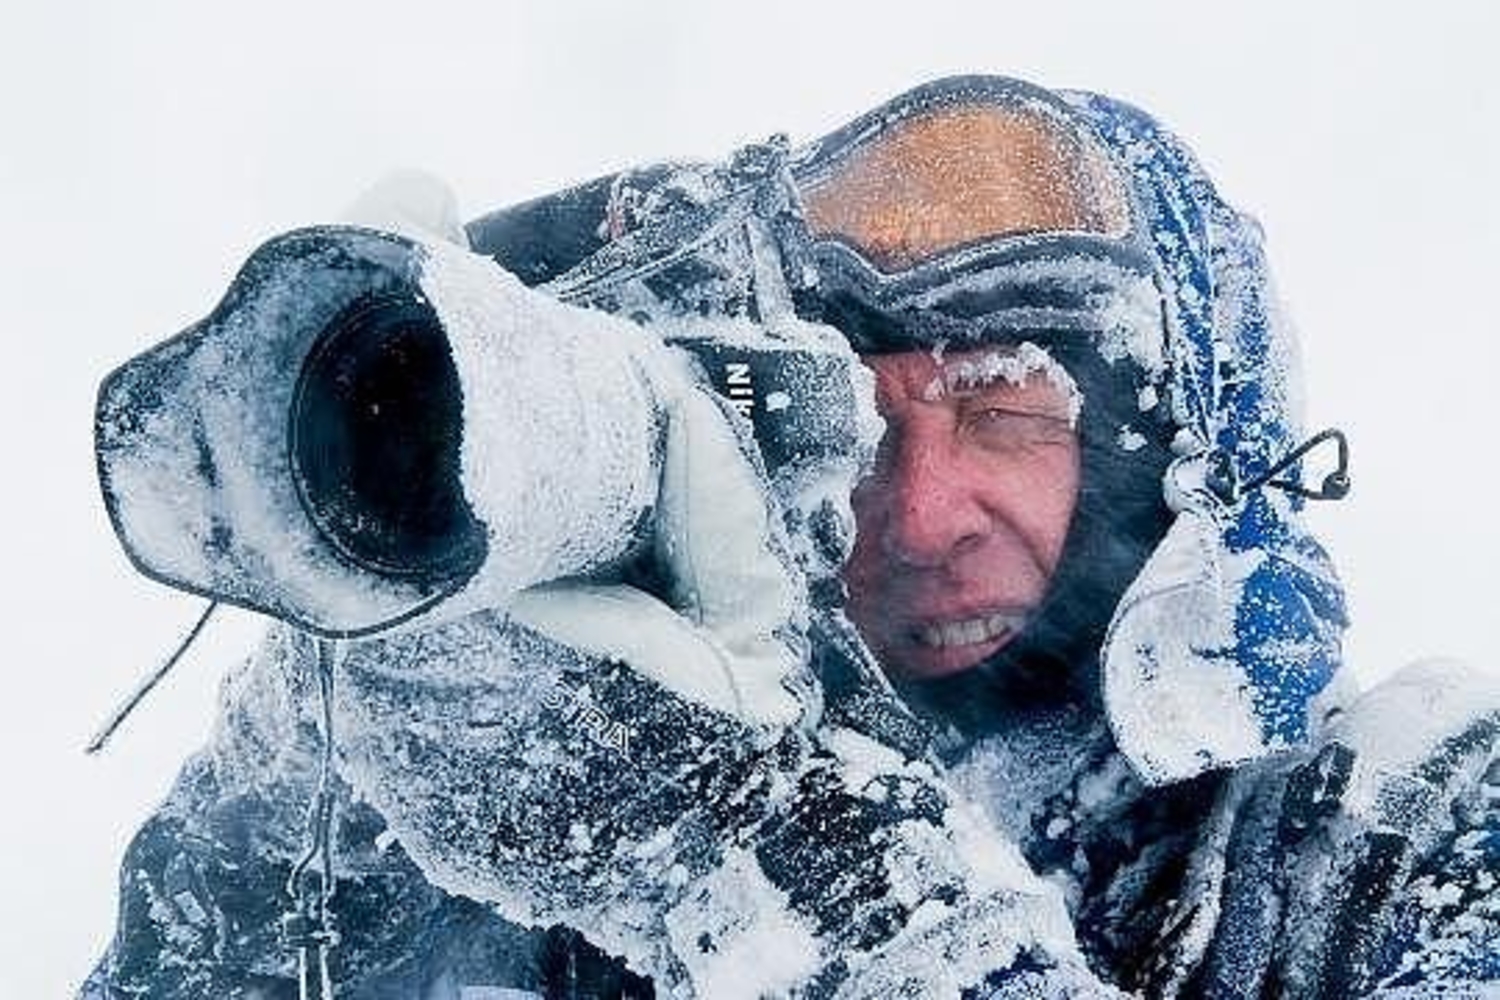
(973, 210)
(955, 176)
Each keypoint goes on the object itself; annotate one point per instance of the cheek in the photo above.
(872, 575)
(1056, 486)
(863, 564)
(1030, 501)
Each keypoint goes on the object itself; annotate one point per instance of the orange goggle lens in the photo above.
(952, 177)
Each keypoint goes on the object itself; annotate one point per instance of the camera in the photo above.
(367, 426)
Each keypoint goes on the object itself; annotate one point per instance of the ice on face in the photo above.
(1014, 365)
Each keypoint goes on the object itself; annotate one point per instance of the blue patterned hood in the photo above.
(1218, 647)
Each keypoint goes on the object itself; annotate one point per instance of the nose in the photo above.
(931, 510)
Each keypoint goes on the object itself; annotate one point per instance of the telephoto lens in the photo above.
(375, 433)
(367, 427)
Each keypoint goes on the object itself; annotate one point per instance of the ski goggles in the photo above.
(974, 209)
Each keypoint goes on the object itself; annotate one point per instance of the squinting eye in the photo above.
(1001, 430)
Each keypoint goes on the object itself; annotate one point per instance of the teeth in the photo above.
(970, 631)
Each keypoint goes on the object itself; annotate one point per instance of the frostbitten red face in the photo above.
(962, 521)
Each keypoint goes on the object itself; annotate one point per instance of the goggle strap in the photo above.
(759, 185)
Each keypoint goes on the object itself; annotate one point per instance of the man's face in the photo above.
(962, 521)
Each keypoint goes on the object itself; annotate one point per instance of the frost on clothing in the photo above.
(1364, 863)
(688, 754)
(687, 827)
(192, 444)
(203, 886)
(679, 855)
(726, 862)
(1219, 646)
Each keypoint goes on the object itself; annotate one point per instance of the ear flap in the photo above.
(1220, 644)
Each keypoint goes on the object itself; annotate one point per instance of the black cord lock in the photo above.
(1223, 481)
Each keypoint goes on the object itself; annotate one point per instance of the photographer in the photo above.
(740, 742)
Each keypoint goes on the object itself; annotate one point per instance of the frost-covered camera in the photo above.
(368, 425)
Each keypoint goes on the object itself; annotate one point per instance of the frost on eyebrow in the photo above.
(1011, 364)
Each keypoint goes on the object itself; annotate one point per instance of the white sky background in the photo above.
(145, 148)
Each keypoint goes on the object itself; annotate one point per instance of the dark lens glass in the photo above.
(376, 429)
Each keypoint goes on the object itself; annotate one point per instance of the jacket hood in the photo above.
(1217, 647)
(1234, 625)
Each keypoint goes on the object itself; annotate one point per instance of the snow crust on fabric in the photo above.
(192, 439)
(1360, 865)
(1124, 321)
(1366, 864)
(1158, 682)
(1263, 609)
(707, 823)
(203, 884)
(560, 424)
(1416, 841)
(587, 441)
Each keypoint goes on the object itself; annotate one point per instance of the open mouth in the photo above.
(967, 632)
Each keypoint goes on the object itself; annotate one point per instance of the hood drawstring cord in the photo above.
(1335, 485)
(1223, 481)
